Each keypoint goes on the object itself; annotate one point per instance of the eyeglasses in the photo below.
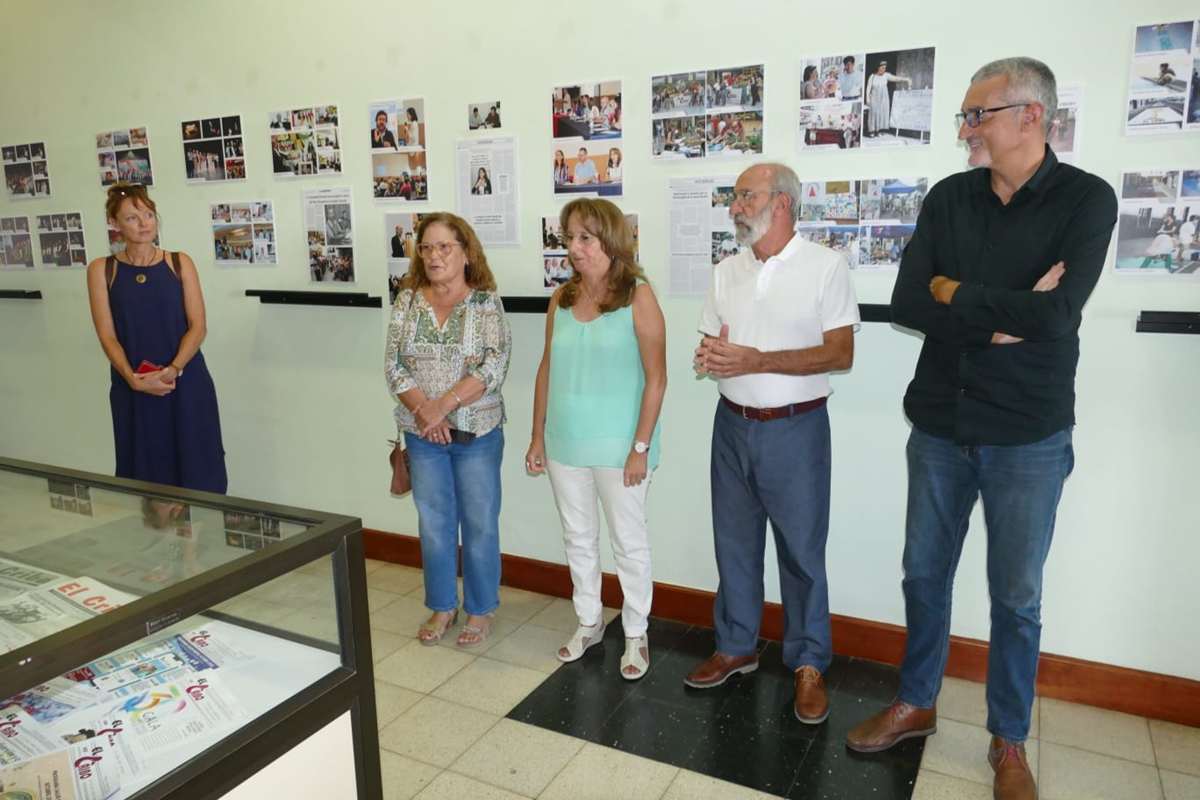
(443, 248)
(975, 115)
(746, 195)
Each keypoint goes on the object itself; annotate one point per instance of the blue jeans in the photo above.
(459, 484)
(777, 471)
(1020, 487)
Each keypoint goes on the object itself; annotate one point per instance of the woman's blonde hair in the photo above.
(607, 223)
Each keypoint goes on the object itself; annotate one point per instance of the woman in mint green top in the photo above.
(595, 419)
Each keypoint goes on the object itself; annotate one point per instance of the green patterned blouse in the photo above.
(475, 341)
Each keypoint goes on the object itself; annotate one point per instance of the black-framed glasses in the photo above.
(746, 195)
(975, 115)
(444, 249)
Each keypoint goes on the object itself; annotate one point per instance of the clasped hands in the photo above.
(943, 289)
(717, 356)
(154, 383)
(431, 422)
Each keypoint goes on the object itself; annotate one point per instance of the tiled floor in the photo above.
(507, 720)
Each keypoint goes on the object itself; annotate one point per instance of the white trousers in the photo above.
(576, 490)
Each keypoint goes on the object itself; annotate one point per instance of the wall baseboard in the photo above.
(1145, 694)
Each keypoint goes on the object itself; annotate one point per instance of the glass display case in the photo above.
(162, 643)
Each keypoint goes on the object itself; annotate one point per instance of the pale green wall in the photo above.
(305, 409)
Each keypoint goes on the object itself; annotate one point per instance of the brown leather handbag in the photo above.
(401, 479)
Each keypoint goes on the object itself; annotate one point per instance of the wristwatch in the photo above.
(640, 447)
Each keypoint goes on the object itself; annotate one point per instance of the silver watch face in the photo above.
(640, 447)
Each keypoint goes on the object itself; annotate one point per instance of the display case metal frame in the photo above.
(242, 753)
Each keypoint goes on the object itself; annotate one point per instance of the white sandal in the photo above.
(585, 636)
(633, 657)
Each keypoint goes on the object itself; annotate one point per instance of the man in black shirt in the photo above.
(1003, 259)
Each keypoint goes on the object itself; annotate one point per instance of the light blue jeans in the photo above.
(459, 485)
(1020, 487)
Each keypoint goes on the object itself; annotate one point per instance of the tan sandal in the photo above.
(478, 635)
(637, 655)
(435, 631)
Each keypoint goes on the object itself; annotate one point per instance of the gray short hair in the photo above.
(1029, 80)
(784, 181)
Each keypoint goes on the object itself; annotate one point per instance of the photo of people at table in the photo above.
(716, 112)
(483, 115)
(587, 167)
(587, 149)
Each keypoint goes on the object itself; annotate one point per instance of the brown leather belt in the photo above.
(766, 414)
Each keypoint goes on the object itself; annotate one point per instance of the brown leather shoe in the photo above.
(897, 722)
(1013, 779)
(717, 669)
(812, 703)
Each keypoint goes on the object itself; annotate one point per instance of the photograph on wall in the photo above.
(878, 99)
(700, 232)
(124, 155)
(243, 233)
(250, 531)
(1159, 212)
(16, 243)
(588, 149)
(716, 112)
(401, 247)
(483, 115)
(73, 497)
(60, 237)
(398, 138)
(305, 142)
(487, 188)
(329, 226)
(556, 266)
(213, 150)
(867, 221)
(1064, 135)
(1164, 79)
(26, 170)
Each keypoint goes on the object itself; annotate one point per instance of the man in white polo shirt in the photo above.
(779, 317)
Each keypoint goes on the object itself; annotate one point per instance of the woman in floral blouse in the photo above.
(447, 354)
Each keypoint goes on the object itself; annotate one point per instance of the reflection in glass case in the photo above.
(163, 643)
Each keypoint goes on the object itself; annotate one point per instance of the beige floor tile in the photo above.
(966, 701)
(694, 786)
(560, 616)
(935, 786)
(296, 590)
(490, 685)
(960, 751)
(1070, 774)
(601, 773)
(374, 564)
(392, 701)
(449, 786)
(421, 668)
(321, 567)
(1177, 747)
(403, 615)
(501, 627)
(395, 578)
(436, 731)
(531, 646)
(319, 623)
(378, 598)
(1177, 786)
(251, 608)
(1095, 729)
(518, 757)
(404, 777)
(383, 644)
(519, 604)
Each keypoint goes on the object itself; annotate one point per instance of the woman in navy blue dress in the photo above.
(149, 314)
